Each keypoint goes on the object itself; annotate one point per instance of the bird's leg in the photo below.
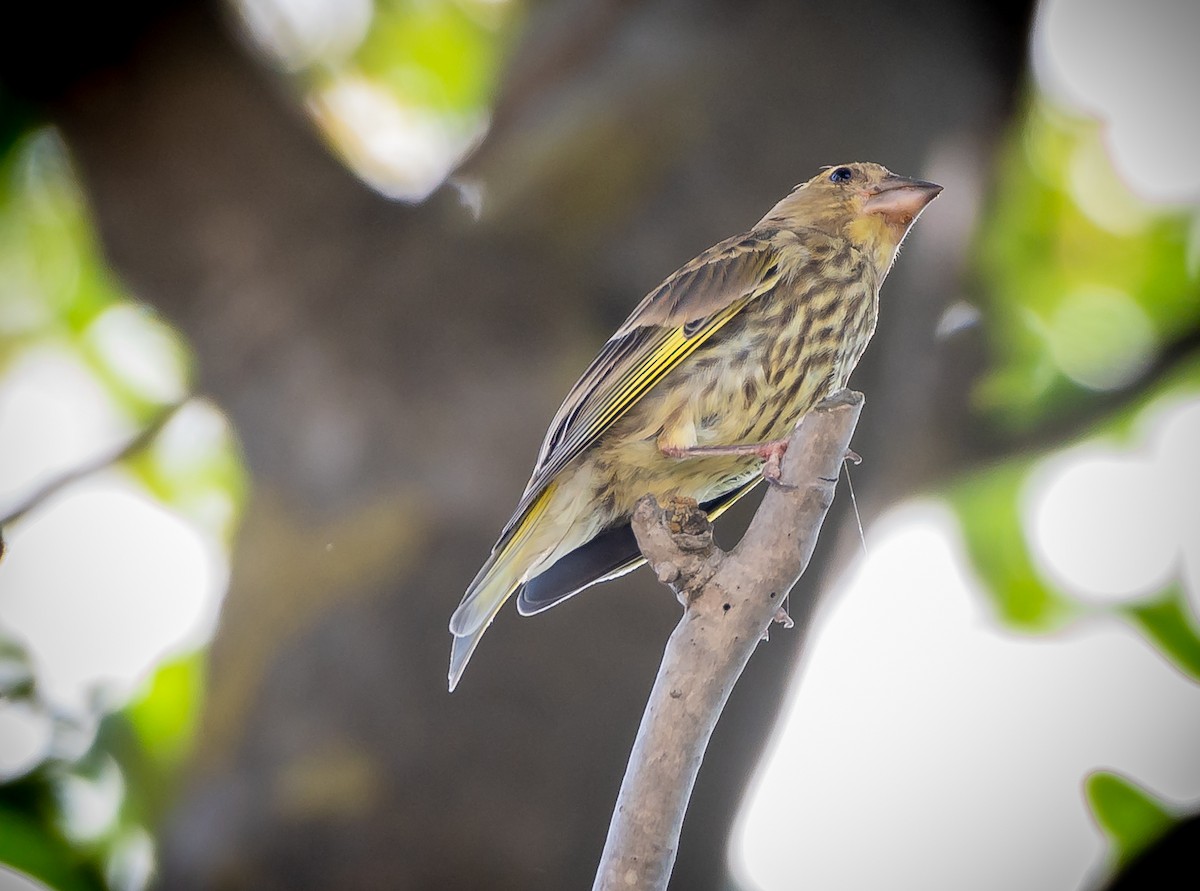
(781, 618)
(771, 452)
(772, 467)
(851, 457)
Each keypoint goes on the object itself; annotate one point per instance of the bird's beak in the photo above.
(899, 199)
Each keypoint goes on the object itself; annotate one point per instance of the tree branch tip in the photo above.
(843, 398)
(646, 511)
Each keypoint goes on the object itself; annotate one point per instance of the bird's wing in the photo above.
(666, 327)
(610, 554)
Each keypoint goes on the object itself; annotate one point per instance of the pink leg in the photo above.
(771, 452)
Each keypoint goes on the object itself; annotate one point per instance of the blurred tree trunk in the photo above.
(390, 370)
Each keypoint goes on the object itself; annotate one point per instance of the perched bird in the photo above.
(696, 393)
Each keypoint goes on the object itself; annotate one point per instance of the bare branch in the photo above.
(134, 445)
(730, 601)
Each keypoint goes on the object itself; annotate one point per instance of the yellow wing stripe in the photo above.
(666, 356)
(528, 519)
(672, 349)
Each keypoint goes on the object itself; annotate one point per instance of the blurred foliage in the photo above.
(988, 503)
(161, 720)
(55, 286)
(1087, 286)
(1168, 622)
(1130, 817)
(76, 816)
(442, 55)
(401, 88)
(29, 843)
(989, 511)
(1088, 294)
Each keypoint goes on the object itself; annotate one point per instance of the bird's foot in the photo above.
(851, 457)
(773, 465)
(781, 618)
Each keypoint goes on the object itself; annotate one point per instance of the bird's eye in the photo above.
(841, 175)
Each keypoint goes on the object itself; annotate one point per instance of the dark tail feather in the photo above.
(612, 553)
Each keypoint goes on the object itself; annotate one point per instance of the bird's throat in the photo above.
(878, 238)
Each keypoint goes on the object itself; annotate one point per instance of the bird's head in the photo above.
(865, 203)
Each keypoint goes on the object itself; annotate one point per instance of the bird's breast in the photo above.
(751, 383)
(778, 361)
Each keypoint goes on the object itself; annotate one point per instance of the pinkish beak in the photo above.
(899, 199)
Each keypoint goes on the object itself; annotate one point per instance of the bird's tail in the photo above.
(503, 573)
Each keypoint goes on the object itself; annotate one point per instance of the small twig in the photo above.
(142, 439)
(730, 601)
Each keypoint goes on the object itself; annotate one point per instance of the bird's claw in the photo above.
(773, 466)
(776, 483)
(781, 617)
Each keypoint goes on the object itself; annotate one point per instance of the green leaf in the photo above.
(1171, 626)
(38, 851)
(987, 505)
(164, 719)
(435, 54)
(1129, 815)
(1075, 303)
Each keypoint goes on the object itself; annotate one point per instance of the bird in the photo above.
(695, 394)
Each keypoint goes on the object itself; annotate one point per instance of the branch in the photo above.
(131, 447)
(730, 601)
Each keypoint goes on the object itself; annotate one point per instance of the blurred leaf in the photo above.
(35, 849)
(1171, 626)
(147, 742)
(414, 97)
(433, 53)
(164, 718)
(1180, 382)
(987, 505)
(140, 359)
(193, 465)
(54, 282)
(1080, 298)
(56, 289)
(1126, 813)
(51, 271)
